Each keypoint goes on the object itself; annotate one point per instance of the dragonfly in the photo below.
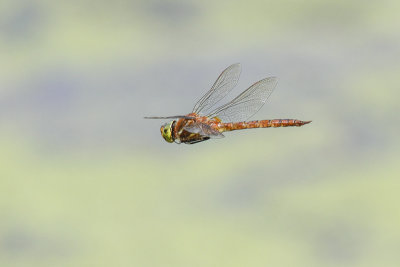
(207, 121)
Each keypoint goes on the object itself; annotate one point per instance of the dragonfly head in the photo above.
(166, 131)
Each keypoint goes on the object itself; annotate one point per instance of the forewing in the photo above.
(247, 103)
(226, 81)
(203, 129)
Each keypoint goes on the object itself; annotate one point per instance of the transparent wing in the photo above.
(247, 103)
(226, 81)
(203, 129)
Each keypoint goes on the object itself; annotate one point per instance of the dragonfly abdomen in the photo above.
(232, 126)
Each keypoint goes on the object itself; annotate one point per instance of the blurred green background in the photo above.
(86, 181)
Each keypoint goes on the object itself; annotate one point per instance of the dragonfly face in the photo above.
(166, 132)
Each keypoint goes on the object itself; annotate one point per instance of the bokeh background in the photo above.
(86, 181)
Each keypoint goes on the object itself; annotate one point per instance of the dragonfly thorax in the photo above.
(166, 131)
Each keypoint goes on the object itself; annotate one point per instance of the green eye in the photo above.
(166, 132)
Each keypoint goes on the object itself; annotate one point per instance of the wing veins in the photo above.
(247, 103)
(225, 82)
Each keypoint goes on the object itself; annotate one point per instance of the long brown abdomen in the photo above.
(231, 126)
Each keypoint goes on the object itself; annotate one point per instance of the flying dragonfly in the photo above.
(206, 121)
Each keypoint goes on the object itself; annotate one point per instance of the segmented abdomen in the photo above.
(231, 126)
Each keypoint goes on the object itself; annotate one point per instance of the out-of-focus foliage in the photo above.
(85, 181)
